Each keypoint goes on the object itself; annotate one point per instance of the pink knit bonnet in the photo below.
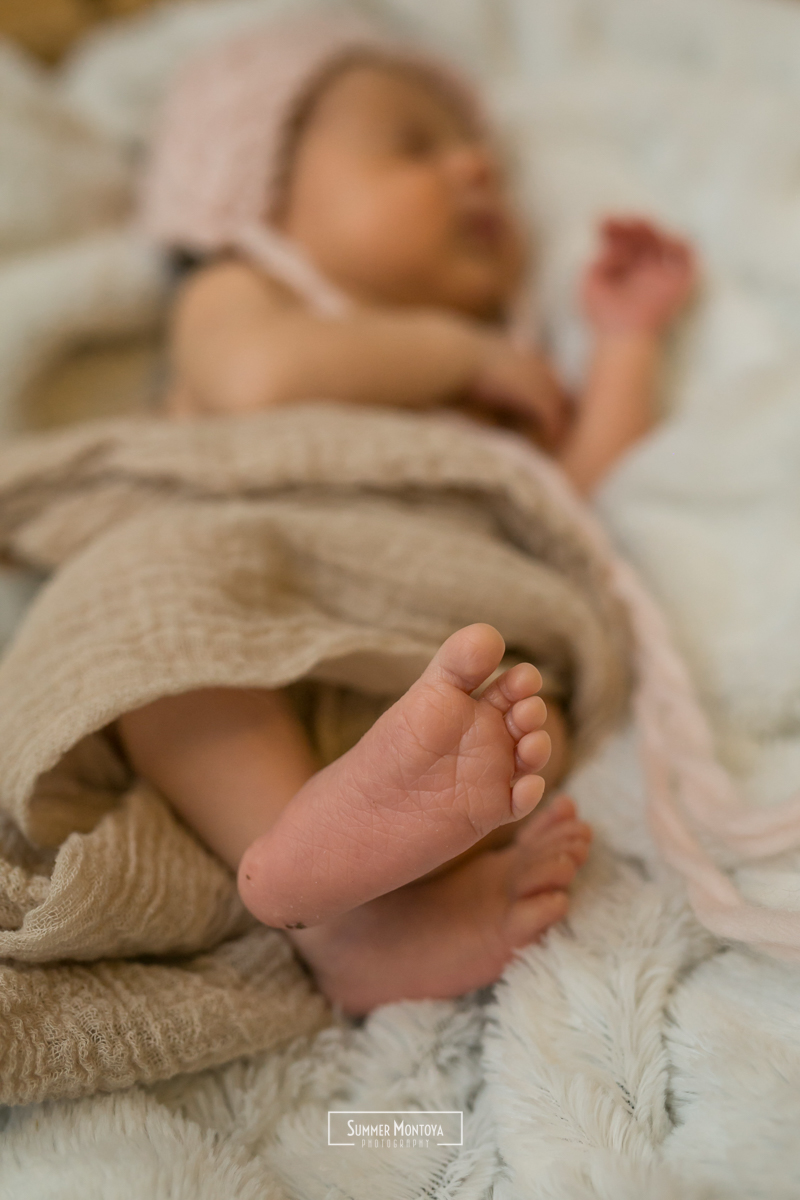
(220, 151)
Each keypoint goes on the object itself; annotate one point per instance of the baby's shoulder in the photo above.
(229, 289)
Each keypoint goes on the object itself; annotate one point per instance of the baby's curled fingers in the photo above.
(625, 245)
(522, 382)
(631, 242)
(635, 232)
(680, 254)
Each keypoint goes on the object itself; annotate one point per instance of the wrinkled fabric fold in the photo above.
(320, 545)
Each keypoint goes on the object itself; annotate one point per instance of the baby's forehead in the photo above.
(382, 87)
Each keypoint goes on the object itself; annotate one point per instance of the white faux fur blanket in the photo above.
(627, 1056)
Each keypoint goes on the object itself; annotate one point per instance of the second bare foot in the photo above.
(439, 938)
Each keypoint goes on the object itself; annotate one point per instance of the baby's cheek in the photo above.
(403, 243)
(414, 222)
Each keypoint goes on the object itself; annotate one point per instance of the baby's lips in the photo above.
(487, 225)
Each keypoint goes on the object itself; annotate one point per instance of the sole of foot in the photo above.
(436, 773)
(441, 938)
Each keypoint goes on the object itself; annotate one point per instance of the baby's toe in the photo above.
(579, 851)
(533, 750)
(554, 873)
(562, 835)
(561, 808)
(529, 917)
(517, 683)
(526, 716)
(525, 795)
(551, 838)
(577, 848)
(467, 658)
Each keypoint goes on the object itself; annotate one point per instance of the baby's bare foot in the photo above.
(436, 772)
(442, 937)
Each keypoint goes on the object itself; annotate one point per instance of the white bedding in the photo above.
(626, 1057)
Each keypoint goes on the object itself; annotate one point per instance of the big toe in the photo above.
(529, 917)
(468, 657)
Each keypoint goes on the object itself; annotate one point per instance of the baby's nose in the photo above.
(473, 162)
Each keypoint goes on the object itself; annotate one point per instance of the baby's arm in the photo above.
(640, 281)
(240, 343)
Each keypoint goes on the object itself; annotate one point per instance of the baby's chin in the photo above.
(480, 283)
(486, 300)
(493, 310)
(478, 289)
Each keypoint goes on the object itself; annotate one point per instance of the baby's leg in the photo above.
(442, 769)
(435, 774)
(228, 759)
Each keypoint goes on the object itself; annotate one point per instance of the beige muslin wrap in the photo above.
(319, 543)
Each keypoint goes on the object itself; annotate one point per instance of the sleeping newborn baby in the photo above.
(367, 252)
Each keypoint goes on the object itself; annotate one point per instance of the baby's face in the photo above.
(398, 201)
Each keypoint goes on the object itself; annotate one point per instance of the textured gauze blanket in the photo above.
(324, 547)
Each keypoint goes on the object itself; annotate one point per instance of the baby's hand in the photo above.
(640, 280)
(521, 383)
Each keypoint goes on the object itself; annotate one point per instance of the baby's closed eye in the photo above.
(413, 139)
